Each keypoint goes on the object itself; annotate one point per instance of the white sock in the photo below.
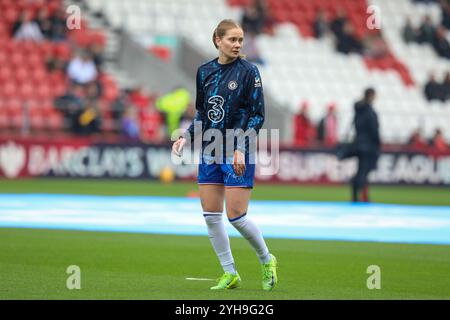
(250, 231)
(219, 240)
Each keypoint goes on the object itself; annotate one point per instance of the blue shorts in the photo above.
(224, 174)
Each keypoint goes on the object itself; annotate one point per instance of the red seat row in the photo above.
(50, 120)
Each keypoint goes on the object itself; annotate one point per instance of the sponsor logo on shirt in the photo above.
(216, 113)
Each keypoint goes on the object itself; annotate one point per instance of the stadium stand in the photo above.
(30, 84)
(301, 68)
(298, 67)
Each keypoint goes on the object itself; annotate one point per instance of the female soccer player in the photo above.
(229, 96)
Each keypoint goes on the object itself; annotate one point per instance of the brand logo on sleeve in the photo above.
(257, 82)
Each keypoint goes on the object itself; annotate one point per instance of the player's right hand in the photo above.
(178, 145)
(239, 163)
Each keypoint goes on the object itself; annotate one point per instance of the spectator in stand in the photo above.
(250, 49)
(367, 144)
(187, 117)
(152, 124)
(327, 128)
(375, 46)
(139, 98)
(440, 43)
(130, 124)
(320, 25)
(70, 105)
(433, 90)
(337, 25)
(93, 91)
(265, 14)
(82, 68)
(409, 33)
(56, 63)
(173, 105)
(304, 130)
(445, 13)
(438, 142)
(119, 105)
(426, 30)
(251, 21)
(445, 87)
(97, 54)
(43, 21)
(426, 1)
(89, 118)
(26, 28)
(347, 42)
(59, 28)
(416, 141)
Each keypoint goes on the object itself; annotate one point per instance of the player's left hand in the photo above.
(239, 163)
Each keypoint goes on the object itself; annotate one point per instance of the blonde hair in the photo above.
(222, 29)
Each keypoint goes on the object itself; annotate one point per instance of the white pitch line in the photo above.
(200, 279)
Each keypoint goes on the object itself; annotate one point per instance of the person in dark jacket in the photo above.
(366, 144)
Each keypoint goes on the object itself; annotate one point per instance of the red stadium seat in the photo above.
(26, 91)
(14, 106)
(34, 59)
(43, 91)
(2, 102)
(11, 14)
(10, 46)
(164, 53)
(63, 51)
(39, 75)
(17, 59)
(80, 37)
(37, 119)
(3, 58)
(28, 47)
(21, 74)
(9, 90)
(108, 124)
(46, 48)
(4, 120)
(275, 5)
(57, 77)
(47, 106)
(58, 89)
(55, 121)
(3, 40)
(98, 38)
(5, 4)
(16, 121)
(32, 106)
(280, 15)
(52, 6)
(6, 73)
(110, 92)
(4, 31)
(104, 107)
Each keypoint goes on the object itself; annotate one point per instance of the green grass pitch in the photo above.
(33, 262)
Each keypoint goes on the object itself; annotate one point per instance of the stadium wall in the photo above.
(148, 70)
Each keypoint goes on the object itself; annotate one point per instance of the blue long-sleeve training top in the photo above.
(229, 96)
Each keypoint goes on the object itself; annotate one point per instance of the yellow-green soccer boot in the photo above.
(269, 271)
(228, 281)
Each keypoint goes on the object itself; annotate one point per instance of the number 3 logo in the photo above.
(216, 113)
